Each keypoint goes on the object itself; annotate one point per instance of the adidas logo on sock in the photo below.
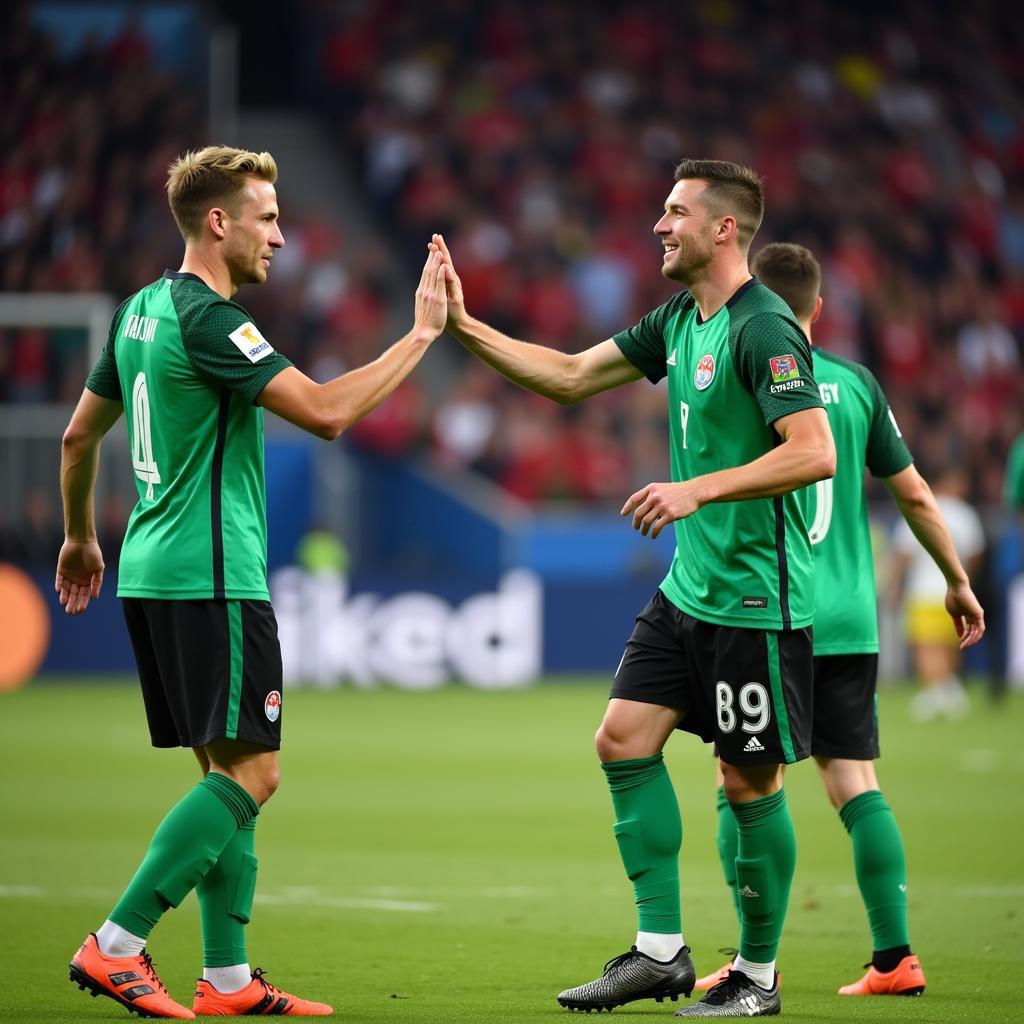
(753, 745)
(749, 893)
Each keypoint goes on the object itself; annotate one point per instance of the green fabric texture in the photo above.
(225, 896)
(880, 866)
(649, 832)
(765, 865)
(727, 840)
(185, 846)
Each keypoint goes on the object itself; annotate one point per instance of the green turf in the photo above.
(448, 857)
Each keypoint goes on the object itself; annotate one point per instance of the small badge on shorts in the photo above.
(272, 705)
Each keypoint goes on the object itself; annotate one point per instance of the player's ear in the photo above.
(818, 303)
(217, 219)
(726, 229)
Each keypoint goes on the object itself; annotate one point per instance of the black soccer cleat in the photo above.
(632, 976)
(737, 996)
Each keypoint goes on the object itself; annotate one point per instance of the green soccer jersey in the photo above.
(188, 366)
(739, 563)
(865, 432)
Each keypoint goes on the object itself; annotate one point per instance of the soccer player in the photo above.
(844, 738)
(192, 374)
(723, 650)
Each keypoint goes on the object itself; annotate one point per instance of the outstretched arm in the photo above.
(80, 563)
(556, 375)
(329, 409)
(918, 507)
(807, 454)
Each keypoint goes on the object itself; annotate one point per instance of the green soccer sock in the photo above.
(765, 865)
(649, 832)
(880, 866)
(186, 844)
(225, 896)
(727, 840)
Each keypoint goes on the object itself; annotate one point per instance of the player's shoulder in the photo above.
(200, 309)
(829, 365)
(755, 308)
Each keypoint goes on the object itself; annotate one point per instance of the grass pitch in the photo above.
(448, 857)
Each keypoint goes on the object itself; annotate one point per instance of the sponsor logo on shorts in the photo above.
(250, 342)
(705, 372)
(753, 746)
(755, 602)
(272, 705)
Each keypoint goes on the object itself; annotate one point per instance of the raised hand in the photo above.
(431, 299)
(456, 300)
(79, 575)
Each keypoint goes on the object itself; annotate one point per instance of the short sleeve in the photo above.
(103, 379)
(773, 361)
(887, 453)
(225, 345)
(643, 344)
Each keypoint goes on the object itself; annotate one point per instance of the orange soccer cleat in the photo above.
(714, 978)
(906, 979)
(128, 980)
(259, 997)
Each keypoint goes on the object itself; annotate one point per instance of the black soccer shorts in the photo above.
(209, 670)
(748, 690)
(846, 707)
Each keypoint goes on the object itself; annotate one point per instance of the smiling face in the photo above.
(687, 232)
(251, 233)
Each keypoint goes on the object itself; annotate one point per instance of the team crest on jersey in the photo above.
(783, 368)
(250, 342)
(705, 372)
(272, 705)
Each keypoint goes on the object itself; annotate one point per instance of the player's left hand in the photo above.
(657, 505)
(968, 615)
(79, 574)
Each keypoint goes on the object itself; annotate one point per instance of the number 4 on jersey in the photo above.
(142, 437)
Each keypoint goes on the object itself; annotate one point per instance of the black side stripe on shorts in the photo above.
(216, 525)
(780, 551)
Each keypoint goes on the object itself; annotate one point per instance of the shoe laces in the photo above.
(147, 965)
(618, 961)
(733, 983)
(260, 976)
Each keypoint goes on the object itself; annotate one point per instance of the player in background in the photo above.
(192, 374)
(918, 585)
(844, 740)
(723, 649)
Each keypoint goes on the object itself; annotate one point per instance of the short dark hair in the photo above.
(792, 272)
(732, 189)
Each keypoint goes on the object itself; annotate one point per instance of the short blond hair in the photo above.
(215, 176)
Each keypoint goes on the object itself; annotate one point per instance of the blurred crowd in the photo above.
(890, 137)
(541, 140)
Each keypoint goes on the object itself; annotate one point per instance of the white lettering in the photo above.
(140, 328)
(829, 393)
(415, 641)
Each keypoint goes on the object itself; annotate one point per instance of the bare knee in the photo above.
(750, 783)
(254, 768)
(611, 744)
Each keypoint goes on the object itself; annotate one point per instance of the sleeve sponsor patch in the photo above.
(783, 368)
(250, 342)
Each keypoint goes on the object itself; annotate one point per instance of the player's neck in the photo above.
(719, 286)
(212, 273)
